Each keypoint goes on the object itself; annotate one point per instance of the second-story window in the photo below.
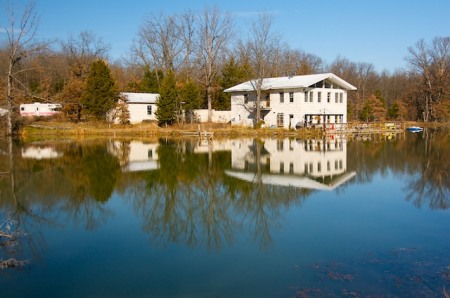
(281, 97)
(246, 98)
(291, 96)
(149, 110)
(328, 97)
(319, 96)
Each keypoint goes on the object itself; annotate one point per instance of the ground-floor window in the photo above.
(280, 120)
(149, 110)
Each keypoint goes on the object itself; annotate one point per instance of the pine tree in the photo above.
(167, 102)
(190, 96)
(150, 81)
(232, 74)
(100, 94)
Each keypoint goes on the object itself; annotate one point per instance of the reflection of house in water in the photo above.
(314, 164)
(135, 155)
(40, 152)
(208, 146)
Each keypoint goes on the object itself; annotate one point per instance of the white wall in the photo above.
(217, 116)
(298, 108)
(138, 112)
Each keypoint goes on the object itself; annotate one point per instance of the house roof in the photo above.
(140, 97)
(290, 180)
(291, 83)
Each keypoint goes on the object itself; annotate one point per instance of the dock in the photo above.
(357, 128)
(201, 134)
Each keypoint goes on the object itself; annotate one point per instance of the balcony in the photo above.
(265, 105)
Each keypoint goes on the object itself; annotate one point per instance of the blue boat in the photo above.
(414, 129)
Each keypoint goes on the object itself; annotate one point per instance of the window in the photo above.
(291, 96)
(280, 120)
(267, 96)
(150, 153)
(306, 96)
(280, 145)
(341, 98)
(319, 167)
(281, 167)
(291, 168)
(319, 96)
(311, 96)
(336, 95)
(281, 97)
(245, 98)
(149, 110)
(328, 96)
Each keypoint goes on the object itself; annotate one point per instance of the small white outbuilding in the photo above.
(141, 106)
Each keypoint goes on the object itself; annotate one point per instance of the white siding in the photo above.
(217, 116)
(138, 112)
(240, 114)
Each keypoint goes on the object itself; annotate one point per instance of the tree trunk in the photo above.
(10, 101)
(208, 90)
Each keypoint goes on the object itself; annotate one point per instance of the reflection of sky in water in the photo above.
(362, 237)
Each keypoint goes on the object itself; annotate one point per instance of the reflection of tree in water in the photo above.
(263, 203)
(183, 200)
(78, 183)
(189, 199)
(432, 184)
(423, 157)
(89, 174)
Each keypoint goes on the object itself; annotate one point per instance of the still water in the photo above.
(333, 217)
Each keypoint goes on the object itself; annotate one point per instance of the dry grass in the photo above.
(86, 129)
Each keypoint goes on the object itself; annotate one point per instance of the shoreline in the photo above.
(151, 130)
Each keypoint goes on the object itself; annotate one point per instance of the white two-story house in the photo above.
(289, 102)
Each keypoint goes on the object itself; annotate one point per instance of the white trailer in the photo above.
(40, 109)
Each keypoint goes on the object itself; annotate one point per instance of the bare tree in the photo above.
(21, 44)
(215, 32)
(262, 45)
(160, 44)
(432, 64)
(81, 51)
(187, 34)
(364, 71)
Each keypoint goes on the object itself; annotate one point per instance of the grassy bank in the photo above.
(98, 129)
(57, 129)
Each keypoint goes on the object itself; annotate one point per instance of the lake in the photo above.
(340, 216)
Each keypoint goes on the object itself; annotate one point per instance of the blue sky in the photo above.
(377, 32)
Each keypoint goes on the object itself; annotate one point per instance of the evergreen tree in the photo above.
(191, 99)
(232, 74)
(150, 81)
(167, 102)
(100, 94)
